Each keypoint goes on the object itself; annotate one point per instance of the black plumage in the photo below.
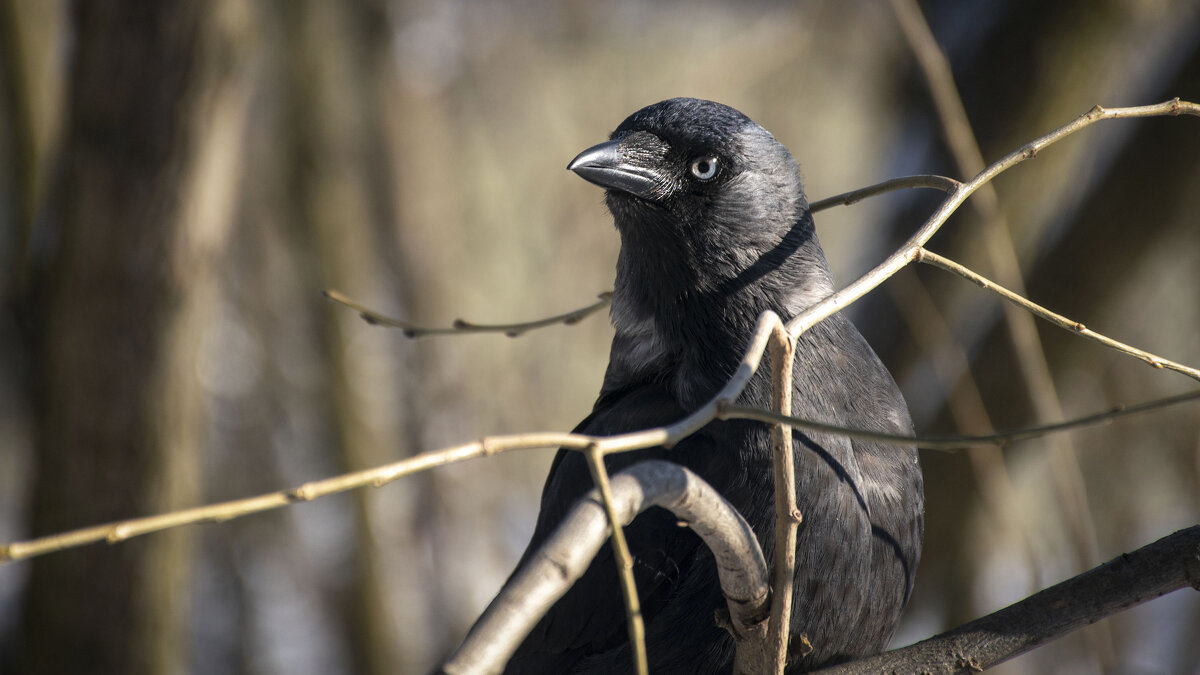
(715, 229)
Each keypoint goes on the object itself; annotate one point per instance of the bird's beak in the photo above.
(607, 166)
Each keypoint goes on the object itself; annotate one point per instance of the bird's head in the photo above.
(708, 205)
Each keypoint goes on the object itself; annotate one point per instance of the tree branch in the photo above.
(953, 443)
(665, 436)
(787, 515)
(462, 327)
(570, 550)
(1167, 565)
(902, 257)
(904, 183)
(633, 607)
(930, 258)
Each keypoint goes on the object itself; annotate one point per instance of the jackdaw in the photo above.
(715, 229)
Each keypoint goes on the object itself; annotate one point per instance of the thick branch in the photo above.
(1167, 565)
(569, 552)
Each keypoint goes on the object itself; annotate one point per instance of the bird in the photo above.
(715, 229)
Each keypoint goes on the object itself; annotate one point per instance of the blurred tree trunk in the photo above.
(107, 437)
(340, 211)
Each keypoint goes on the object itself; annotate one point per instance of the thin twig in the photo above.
(930, 258)
(379, 476)
(904, 183)
(955, 443)
(902, 257)
(126, 529)
(633, 607)
(462, 327)
(787, 515)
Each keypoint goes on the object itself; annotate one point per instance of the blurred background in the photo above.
(180, 180)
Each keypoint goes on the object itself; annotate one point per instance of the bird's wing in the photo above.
(590, 618)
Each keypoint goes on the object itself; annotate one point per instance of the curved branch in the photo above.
(570, 550)
(462, 327)
(1167, 565)
(932, 181)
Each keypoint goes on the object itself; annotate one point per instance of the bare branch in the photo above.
(930, 258)
(462, 327)
(904, 183)
(127, 529)
(787, 515)
(1167, 565)
(569, 551)
(633, 607)
(665, 436)
(893, 263)
(953, 443)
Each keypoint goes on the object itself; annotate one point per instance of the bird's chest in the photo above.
(693, 356)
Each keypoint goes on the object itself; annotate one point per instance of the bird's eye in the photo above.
(705, 167)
